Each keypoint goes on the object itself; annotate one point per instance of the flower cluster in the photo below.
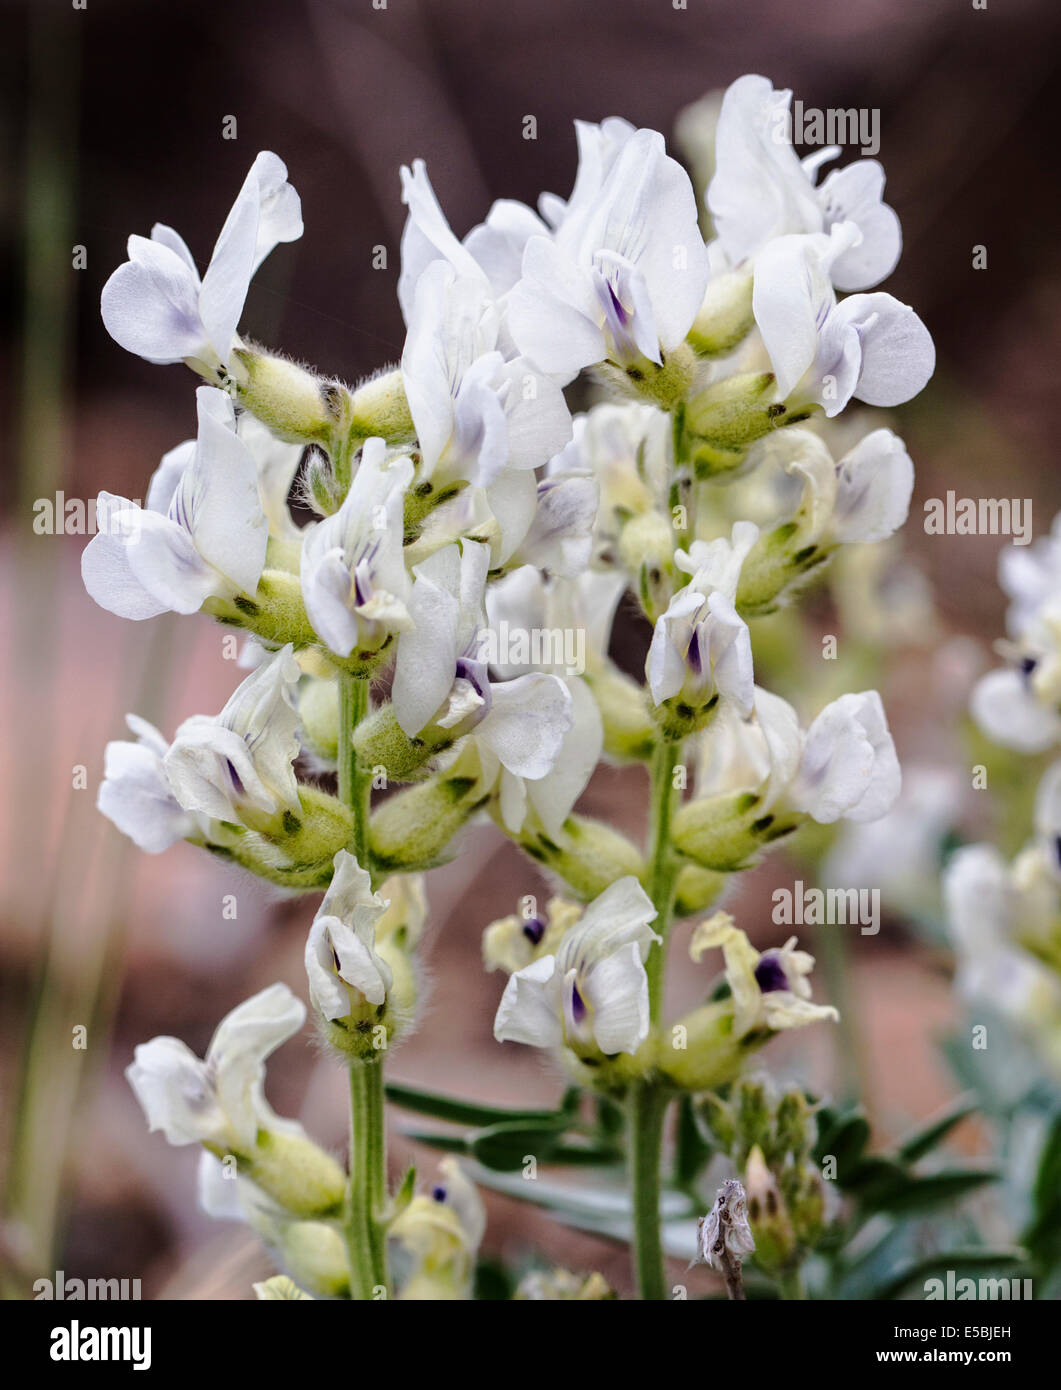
(444, 621)
(1004, 917)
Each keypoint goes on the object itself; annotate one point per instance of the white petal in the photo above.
(616, 991)
(1007, 711)
(527, 1011)
(849, 765)
(150, 305)
(175, 1093)
(875, 482)
(527, 722)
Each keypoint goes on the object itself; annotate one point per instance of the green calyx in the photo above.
(587, 854)
(726, 833)
(725, 318)
(297, 1173)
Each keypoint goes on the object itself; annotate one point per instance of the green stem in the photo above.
(366, 1233)
(790, 1285)
(354, 784)
(649, 1098)
(647, 1105)
(662, 866)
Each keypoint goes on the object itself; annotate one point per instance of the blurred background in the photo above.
(114, 118)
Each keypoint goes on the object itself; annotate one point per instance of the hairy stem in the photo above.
(647, 1105)
(354, 784)
(366, 1236)
(648, 1099)
(662, 866)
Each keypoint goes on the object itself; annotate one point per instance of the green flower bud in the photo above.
(422, 499)
(315, 1255)
(296, 1173)
(318, 710)
(297, 405)
(700, 1053)
(411, 831)
(717, 1118)
(725, 318)
(629, 729)
(793, 1124)
(275, 614)
(752, 1114)
(300, 851)
(696, 890)
(709, 461)
(775, 568)
(665, 384)
(380, 741)
(379, 408)
(768, 1216)
(725, 833)
(588, 855)
(646, 548)
(735, 412)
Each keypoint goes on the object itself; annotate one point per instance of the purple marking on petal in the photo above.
(534, 930)
(770, 974)
(578, 1005)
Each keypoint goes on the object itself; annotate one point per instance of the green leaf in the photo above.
(465, 1112)
(1047, 1191)
(968, 1262)
(1043, 1235)
(434, 1139)
(873, 1179)
(937, 1189)
(924, 1139)
(845, 1139)
(404, 1195)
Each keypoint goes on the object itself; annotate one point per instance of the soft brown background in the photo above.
(113, 120)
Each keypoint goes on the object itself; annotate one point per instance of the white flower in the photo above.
(983, 905)
(156, 305)
(513, 942)
(478, 409)
(849, 767)
(209, 541)
(442, 1233)
(761, 190)
(628, 449)
(900, 853)
(220, 1100)
(1031, 576)
(277, 464)
(1005, 705)
(770, 989)
(560, 538)
(863, 498)
(239, 766)
(700, 646)
(136, 795)
(341, 960)
(623, 276)
(867, 346)
(490, 254)
(525, 602)
(440, 677)
(593, 994)
(758, 753)
(354, 582)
